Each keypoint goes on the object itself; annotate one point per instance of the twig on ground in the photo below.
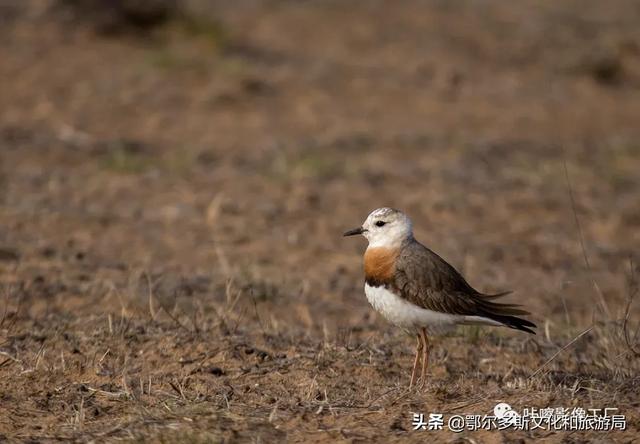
(603, 302)
(633, 291)
(560, 351)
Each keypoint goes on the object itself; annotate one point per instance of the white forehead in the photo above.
(381, 212)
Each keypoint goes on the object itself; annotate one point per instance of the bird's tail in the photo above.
(514, 322)
(505, 314)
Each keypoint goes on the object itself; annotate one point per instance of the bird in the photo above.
(417, 290)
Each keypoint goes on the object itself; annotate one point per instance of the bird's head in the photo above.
(385, 227)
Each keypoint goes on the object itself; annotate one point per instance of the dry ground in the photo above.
(172, 198)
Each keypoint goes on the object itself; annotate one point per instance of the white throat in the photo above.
(386, 241)
(392, 237)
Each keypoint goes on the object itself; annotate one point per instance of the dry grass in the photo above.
(171, 266)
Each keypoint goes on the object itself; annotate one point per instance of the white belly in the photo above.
(408, 316)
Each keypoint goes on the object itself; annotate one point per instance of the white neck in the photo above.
(391, 242)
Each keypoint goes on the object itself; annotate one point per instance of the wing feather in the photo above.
(428, 281)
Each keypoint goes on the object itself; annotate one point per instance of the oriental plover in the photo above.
(418, 291)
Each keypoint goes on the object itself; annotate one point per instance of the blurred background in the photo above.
(197, 150)
(242, 138)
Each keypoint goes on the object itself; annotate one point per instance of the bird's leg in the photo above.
(415, 362)
(425, 357)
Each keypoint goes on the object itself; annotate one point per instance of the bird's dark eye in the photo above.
(380, 223)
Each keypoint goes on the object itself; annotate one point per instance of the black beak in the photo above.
(355, 231)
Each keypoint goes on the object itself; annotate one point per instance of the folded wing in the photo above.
(428, 281)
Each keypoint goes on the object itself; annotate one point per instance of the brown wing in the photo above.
(428, 281)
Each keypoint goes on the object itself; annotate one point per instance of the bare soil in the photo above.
(173, 191)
